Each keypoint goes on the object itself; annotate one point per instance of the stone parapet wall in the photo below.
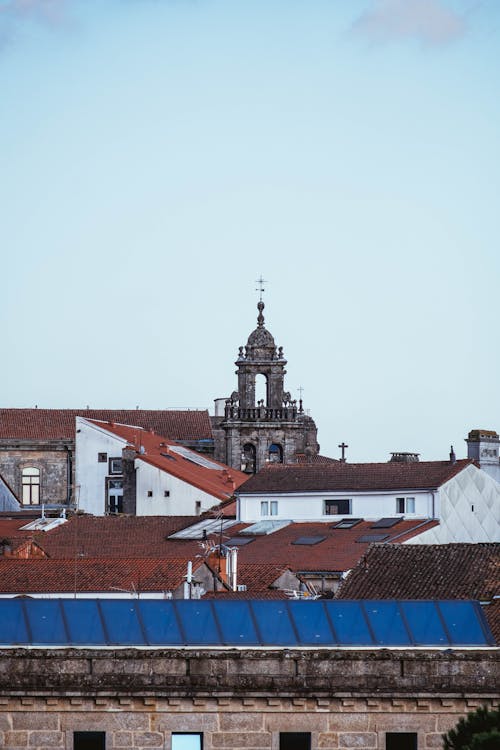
(280, 672)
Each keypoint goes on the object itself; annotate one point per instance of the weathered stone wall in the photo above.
(250, 723)
(239, 699)
(53, 458)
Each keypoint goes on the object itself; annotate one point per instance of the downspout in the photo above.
(69, 474)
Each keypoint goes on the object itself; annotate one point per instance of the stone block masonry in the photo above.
(239, 699)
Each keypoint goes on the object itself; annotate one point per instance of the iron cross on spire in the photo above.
(260, 281)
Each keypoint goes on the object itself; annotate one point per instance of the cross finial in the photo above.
(260, 281)
(342, 447)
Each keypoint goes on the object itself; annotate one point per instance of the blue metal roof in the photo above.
(247, 623)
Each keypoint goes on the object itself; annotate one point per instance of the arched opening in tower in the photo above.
(261, 397)
(248, 456)
(275, 453)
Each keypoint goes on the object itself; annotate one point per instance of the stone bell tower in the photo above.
(248, 432)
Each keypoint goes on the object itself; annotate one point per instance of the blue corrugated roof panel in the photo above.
(243, 623)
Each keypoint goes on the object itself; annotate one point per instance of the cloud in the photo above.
(48, 11)
(429, 21)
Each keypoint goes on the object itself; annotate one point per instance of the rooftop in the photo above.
(339, 476)
(54, 424)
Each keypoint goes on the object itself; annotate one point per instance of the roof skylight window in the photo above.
(309, 540)
(195, 458)
(346, 523)
(385, 523)
(372, 538)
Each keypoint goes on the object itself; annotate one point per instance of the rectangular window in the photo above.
(295, 741)
(115, 466)
(401, 741)
(405, 505)
(102, 458)
(274, 507)
(337, 508)
(187, 741)
(264, 508)
(166, 493)
(89, 740)
(197, 507)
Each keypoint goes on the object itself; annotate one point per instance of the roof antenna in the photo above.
(453, 458)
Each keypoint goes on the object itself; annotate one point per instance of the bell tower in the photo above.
(248, 431)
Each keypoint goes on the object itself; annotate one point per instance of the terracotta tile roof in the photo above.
(264, 594)
(338, 552)
(147, 537)
(425, 571)
(97, 575)
(345, 477)
(214, 478)
(52, 424)
(301, 458)
(117, 537)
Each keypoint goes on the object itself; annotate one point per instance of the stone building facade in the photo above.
(76, 699)
(248, 432)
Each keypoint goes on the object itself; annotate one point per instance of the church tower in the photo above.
(250, 431)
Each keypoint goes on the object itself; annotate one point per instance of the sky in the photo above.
(158, 156)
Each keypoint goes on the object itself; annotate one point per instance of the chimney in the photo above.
(404, 458)
(453, 458)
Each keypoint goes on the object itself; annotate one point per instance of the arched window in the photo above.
(31, 486)
(248, 456)
(275, 453)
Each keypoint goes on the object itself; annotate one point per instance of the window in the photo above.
(337, 507)
(102, 458)
(401, 741)
(31, 486)
(295, 741)
(264, 508)
(187, 741)
(115, 466)
(405, 505)
(114, 494)
(197, 507)
(89, 740)
(274, 508)
(150, 493)
(166, 493)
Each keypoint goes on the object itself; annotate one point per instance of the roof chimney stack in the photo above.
(453, 458)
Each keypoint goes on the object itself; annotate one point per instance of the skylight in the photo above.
(309, 540)
(346, 523)
(372, 538)
(238, 541)
(385, 523)
(195, 458)
(211, 527)
(265, 527)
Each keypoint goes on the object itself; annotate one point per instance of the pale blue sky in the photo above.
(158, 155)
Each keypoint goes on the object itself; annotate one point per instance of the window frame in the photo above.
(193, 734)
(335, 502)
(77, 746)
(31, 482)
(111, 470)
(406, 503)
(304, 735)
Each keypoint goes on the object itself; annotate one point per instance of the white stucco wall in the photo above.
(309, 506)
(181, 501)
(90, 474)
(469, 512)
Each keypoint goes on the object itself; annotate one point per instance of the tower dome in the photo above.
(260, 344)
